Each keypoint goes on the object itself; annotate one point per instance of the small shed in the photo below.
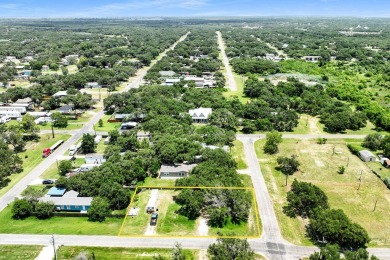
(56, 192)
(367, 156)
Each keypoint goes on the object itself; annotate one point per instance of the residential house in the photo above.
(200, 115)
(167, 74)
(69, 202)
(92, 85)
(367, 156)
(311, 58)
(170, 82)
(67, 109)
(88, 167)
(176, 170)
(143, 135)
(94, 158)
(121, 117)
(128, 125)
(60, 94)
(45, 68)
(24, 101)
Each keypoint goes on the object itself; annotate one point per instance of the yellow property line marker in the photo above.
(185, 187)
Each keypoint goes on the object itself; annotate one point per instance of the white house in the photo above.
(311, 58)
(200, 115)
(176, 171)
(92, 85)
(60, 94)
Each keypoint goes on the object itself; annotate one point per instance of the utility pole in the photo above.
(348, 162)
(94, 129)
(360, 179)
(58, 167)
(52, 129)
(54, 247)
(286, 179)
(100, 98)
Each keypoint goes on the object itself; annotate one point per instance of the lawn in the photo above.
(108, 253)
(169, 222)
(240, 90)
(72, 123)
(319, 166)
(32, 157)
(19, 252)
(107, 126)
(238, 154)
(72, 69)
(152, 182)
(136, 225)
(57, 225)
(52, 171)
(101, 147)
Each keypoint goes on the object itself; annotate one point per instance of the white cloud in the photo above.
(9, 6)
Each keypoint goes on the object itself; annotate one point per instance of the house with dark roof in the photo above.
(67, 109)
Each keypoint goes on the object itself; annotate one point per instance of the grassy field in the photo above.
(108, 253)
(149, 181)
(240, 90)
(19, 252)
(238, 154)
(107, 126)
(72, 69)
(319, 166)
(57, 225)
(32, 157)
(136, 225)
(72, 124)
(52, 171)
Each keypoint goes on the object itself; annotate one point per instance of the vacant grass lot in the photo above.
(107, 126)
(32, 157)
(19, 252)
(72, 123)
(237, 152)
(136, 225)
(319, 166)
(109, 253)
(240, 89)
(57, 225)
(52, 171)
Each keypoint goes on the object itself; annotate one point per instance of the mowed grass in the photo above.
(32, 156)
(19, 252)
(157, 182)
(72, 123)
(57, 225)
(319, 166)
(170, 222)
(136, 225)
(237, 152)
(109, 253)
(52, 171)
(240, 89)
(107, 126)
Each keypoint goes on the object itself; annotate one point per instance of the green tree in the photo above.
(62, 182)
(99, 210)
(114, 136)
(373, 142)
(100, 123)
(10, 163)
(288, 165)
(341, 169)
(21, 209)
(177, 252)
(329, 252)
(88, 144)
(218, 216)
(59, 120)
(272, 141)
(231, 248)
(333, 226)
(15, 137)
(32, 195)
(64, 167)
(29, 127)
(44, 210)
(303, 199)
(223, 118)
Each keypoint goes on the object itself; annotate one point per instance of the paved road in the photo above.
(17, 189)
(305, 136)
(231, 82)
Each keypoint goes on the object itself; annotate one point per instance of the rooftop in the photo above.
(366, 153)
(177, 167)
(77, 201)
(54, 191)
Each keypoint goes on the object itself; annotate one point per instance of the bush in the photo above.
(44, 210)
(99, 210)
(65, 167)
(21, 209)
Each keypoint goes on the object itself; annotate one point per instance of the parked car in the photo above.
(153, 219)
(47, 182)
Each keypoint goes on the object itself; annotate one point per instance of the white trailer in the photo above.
(88, 167)
(152, 203)
(21, 110)
(73, 149)
(11, 114)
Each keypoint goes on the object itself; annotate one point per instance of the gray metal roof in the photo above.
(78, 201)
(366, 153)
(71, 194)
(177, 167)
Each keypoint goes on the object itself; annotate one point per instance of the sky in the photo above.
(192, 8)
